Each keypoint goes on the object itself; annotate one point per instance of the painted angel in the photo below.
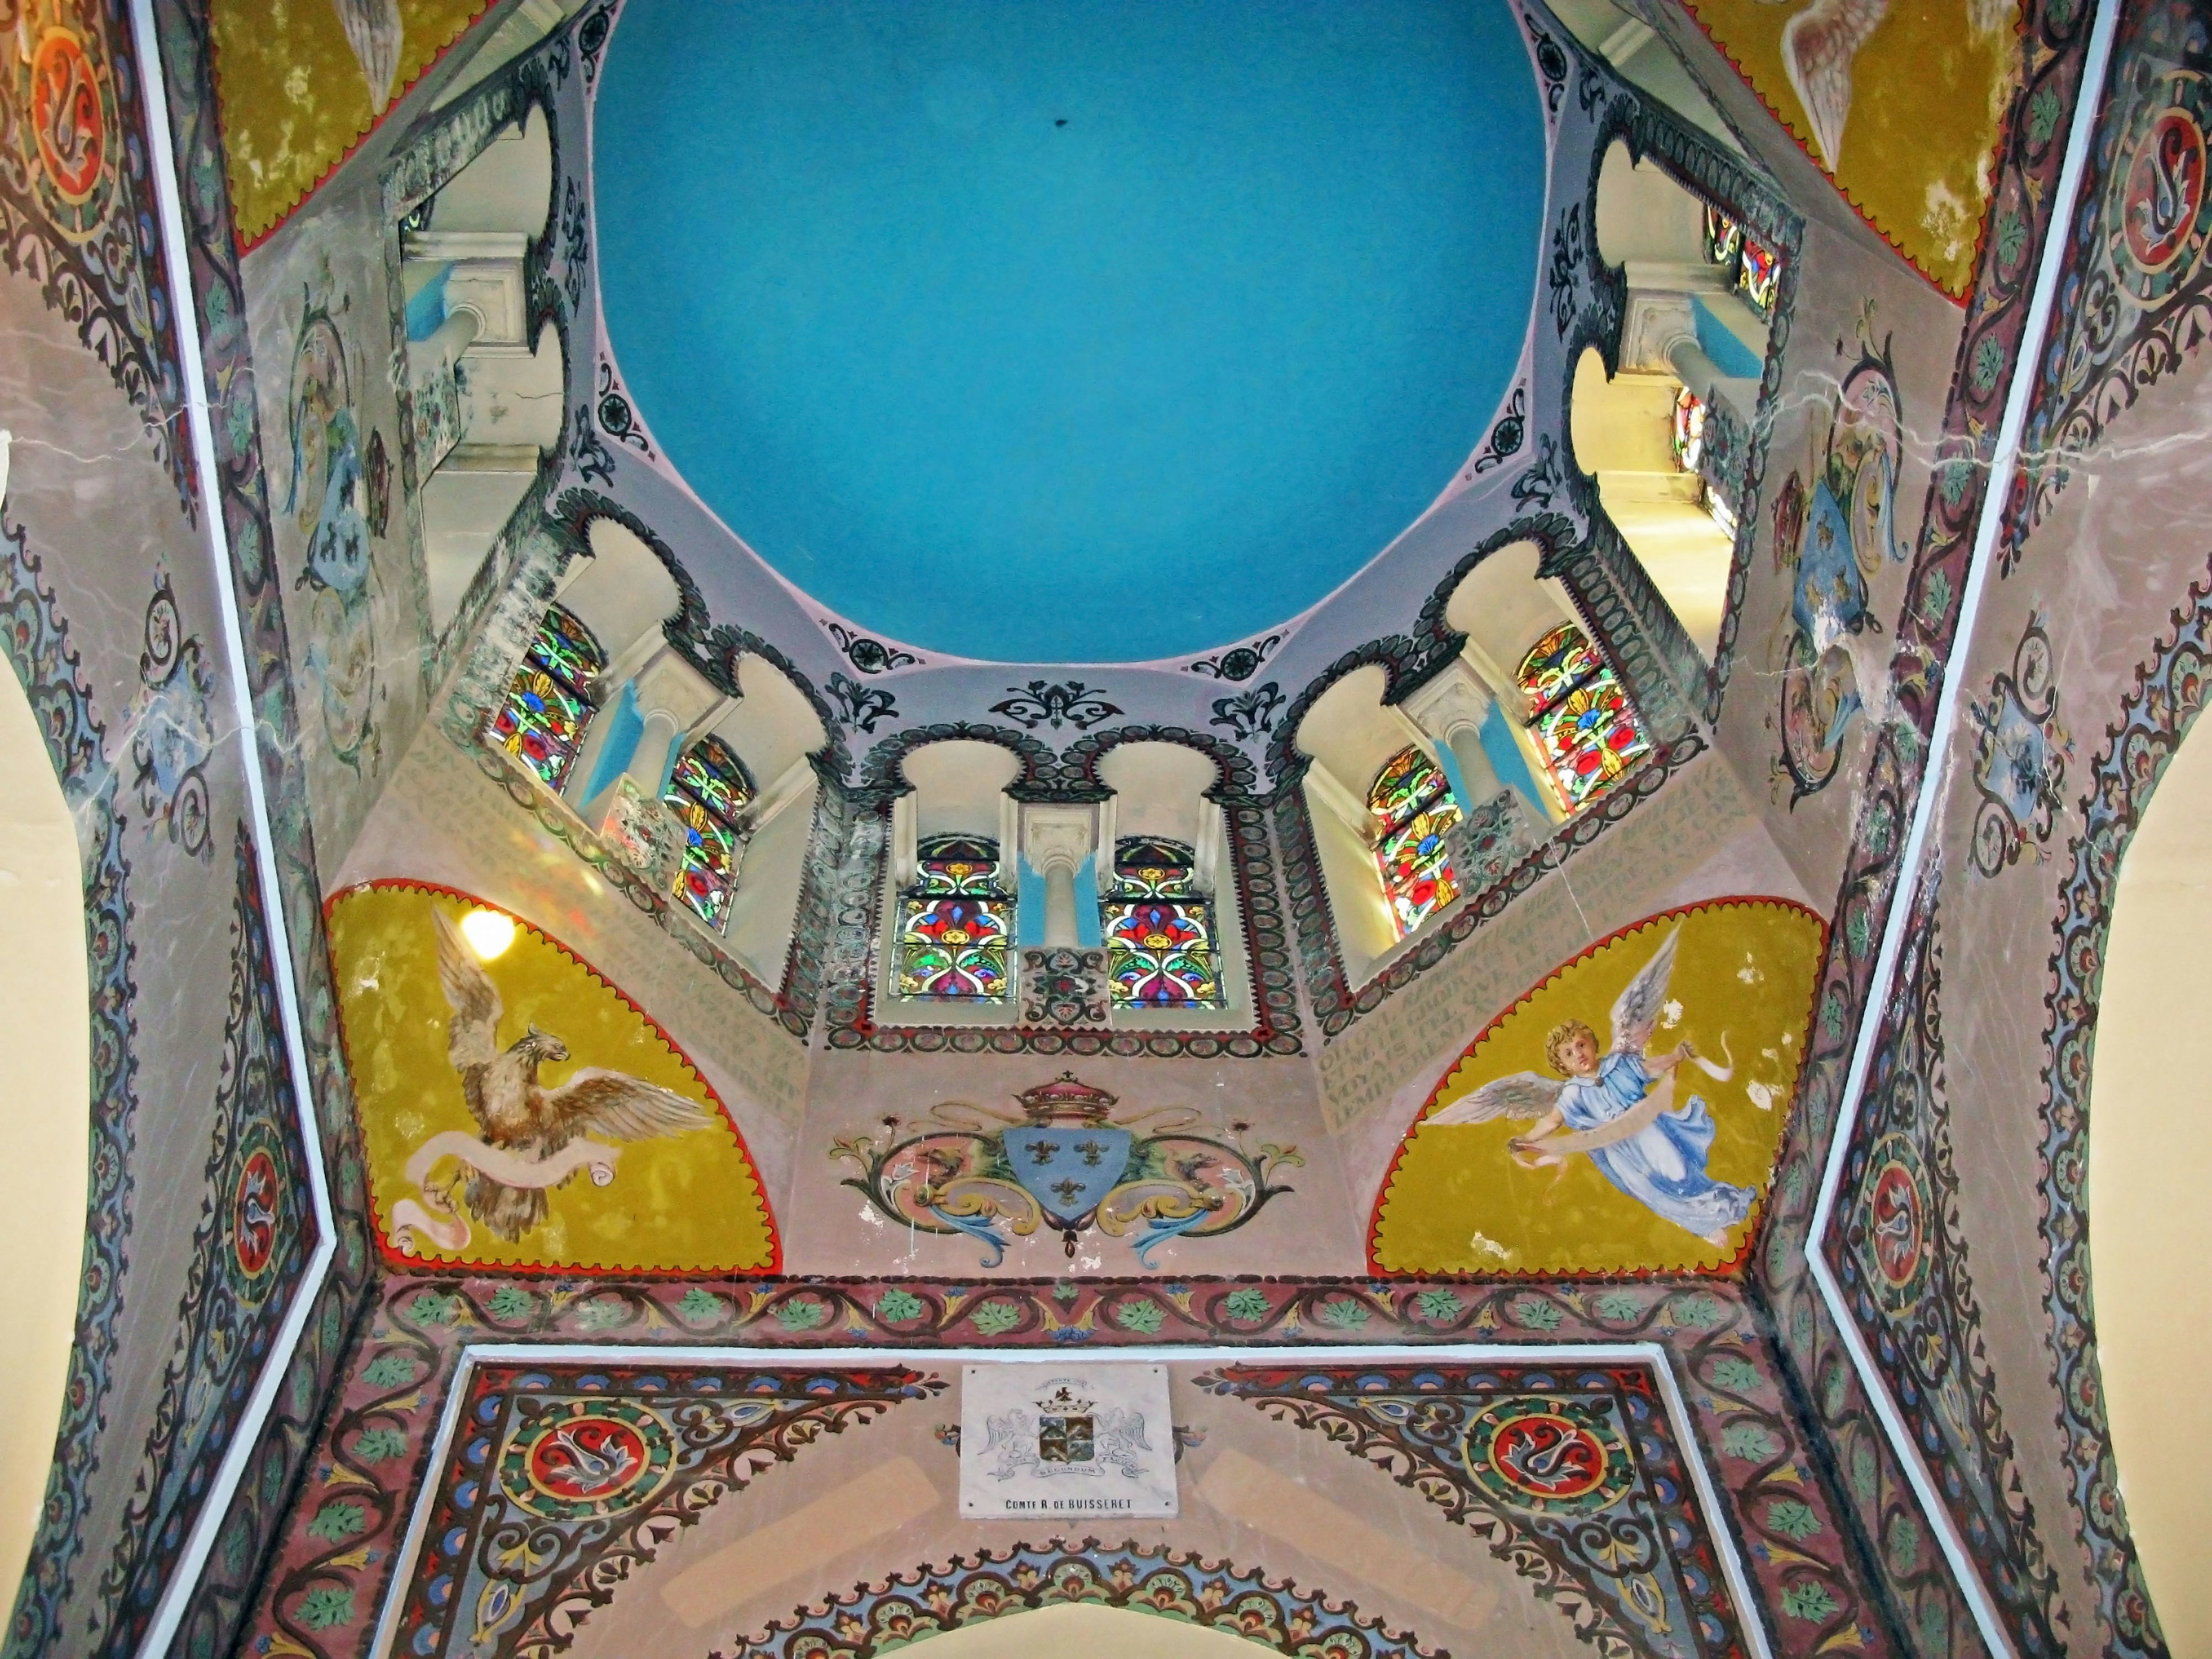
(1618, 1109)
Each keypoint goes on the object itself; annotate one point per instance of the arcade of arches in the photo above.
(1368, 830)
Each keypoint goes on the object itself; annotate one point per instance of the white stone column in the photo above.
(1451, 708)
(1056, 840)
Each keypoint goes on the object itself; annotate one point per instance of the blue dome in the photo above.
(1088, 331)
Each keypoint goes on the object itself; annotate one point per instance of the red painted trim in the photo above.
(415, 1264)
(1981, 232)
(246, 245)
(1732, 1266)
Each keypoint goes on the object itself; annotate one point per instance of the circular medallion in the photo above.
(1897, 1206)
(586, 1457)
(70, 122)
(254, 1209)
(2159, 221)
(1547, 1454)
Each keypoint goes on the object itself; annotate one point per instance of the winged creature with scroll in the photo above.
(534, 1136)
(1618, 1109)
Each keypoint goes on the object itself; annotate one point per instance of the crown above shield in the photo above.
(1065, 1100)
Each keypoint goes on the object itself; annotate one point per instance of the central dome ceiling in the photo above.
(1098, 331)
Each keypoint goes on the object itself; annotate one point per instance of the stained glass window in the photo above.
(955, 923)
(542, 720)
(1758, 276)
(1587, 730)
(1412, 806)
(708, 792)
(1723, 237)
(1158, 929)
(1752, 269)
(1689, 430)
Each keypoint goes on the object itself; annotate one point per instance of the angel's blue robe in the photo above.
(1662, 1165)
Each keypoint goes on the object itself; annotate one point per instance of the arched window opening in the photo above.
(1412, 806)
(1586, 731)
(955, 922)
(708, 792)
(1159, 929)
(1752, 270)
(548, 702)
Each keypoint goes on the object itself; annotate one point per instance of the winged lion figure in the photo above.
(519, 1115)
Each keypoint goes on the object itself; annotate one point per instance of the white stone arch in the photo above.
(774, 731)
(45, 1111)
(956, 787)
(2146, 1165)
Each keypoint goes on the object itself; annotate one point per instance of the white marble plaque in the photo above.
(1066, 1441)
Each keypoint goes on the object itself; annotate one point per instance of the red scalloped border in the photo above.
(409, 1264)
(246, 244)
(1731, 1266)
(1981, 232)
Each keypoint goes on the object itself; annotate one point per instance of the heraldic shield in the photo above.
(1069, 1171)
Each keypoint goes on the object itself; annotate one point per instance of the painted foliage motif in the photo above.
(1901, 105)
(1835, 531)
(73, 187)
(452, 1013)
(2135, 303)
(563, 1480)
(1570, 1472)
(1067, 1164)
(172, 733)
(325, 498)
(1902, 1261)
(36, 641)
(1623, 1168)
(2021, 752)
(2170, 693)
(1252, 1605)
(254, 1234)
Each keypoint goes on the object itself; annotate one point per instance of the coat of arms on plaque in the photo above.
(1036, 1441)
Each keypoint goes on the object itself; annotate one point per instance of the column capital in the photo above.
(1057, 836)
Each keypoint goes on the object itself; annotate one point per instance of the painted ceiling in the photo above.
(1104, 334)
(1669, 1242)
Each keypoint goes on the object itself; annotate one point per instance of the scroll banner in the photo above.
(434, 1218)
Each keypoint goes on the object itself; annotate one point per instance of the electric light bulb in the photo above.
(487, 932)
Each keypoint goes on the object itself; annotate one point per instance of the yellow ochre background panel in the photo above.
(1744, 975)
(689, 1202)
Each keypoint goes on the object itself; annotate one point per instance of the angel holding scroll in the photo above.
(1618, 1109)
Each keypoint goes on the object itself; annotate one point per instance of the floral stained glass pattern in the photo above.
(1412, 807)
(1689, 430)
(548, 702)
(1587, 730)
(1160, 930)
(708, 792)
(955, 923)
(1753, 269)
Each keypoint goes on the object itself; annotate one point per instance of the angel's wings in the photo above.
(1523, 1094)
(472, 1039)
(615, 1106)
(1818, 45)
(1636, 1011)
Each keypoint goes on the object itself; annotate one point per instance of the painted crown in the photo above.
(1063, 1100)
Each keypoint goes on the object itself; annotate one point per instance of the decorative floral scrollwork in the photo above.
(1044, 703)
(870, 656)
(1250, 713)
(1239, 662)
(860, 707)
(1508, 435)
(1067, 1164)
(2021, 752)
